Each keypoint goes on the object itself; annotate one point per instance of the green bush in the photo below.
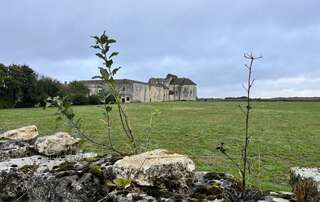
(80, 100)
(6, 103)
(94, 100)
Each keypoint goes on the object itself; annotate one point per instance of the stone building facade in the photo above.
(171, 88)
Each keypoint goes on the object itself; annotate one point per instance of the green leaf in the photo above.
(114, 54)
(96, 38)
(115, 70)
(108, 108)
(100, 55)
(104, 73)
(103, 38)
(106, 48)
(112, 41)
(109, 63)
(95, 47)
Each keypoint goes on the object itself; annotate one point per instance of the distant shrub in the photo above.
(94, 100)
(135, 101)
(6, 103)
(80, 100)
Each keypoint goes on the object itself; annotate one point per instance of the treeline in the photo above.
(283, 99)
(21, 86)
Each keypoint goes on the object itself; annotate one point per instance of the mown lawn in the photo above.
(285, 134)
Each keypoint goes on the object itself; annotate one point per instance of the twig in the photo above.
(104, 198)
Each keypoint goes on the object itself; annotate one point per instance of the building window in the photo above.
(128, 99)
(123, 88)
(123, 100)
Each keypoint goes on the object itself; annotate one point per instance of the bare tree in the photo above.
(250, 83)
(244, 166)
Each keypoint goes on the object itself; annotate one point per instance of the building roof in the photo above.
(129, 81)
(156, 80)
(118, 81)
(182, 81)
(152, 81)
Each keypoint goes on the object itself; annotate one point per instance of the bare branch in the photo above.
(251, 84)
(246, 56)
(245, 88)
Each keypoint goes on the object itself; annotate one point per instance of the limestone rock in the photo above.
(15, 149)
(24, 133)
(42, 163)
(225, 184)
(306, 183)
(156, 168)
(274, 199)
(39, 178)
(66, 187)
(13, 185)
(123, 196)
(57, 144)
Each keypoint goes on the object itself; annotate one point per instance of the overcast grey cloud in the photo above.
(201, 39)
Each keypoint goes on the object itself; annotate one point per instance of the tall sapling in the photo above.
(243, 167)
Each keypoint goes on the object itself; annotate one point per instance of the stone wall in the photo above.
(141, 92)
(157, 93)
(126, 91)
(51, 168)
(188, 92)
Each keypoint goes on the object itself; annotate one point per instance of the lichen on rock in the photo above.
(156, 168)
(57, 144)
(25, 133)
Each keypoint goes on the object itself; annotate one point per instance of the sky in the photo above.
(201, 39)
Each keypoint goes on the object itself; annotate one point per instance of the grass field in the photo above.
(285, 134)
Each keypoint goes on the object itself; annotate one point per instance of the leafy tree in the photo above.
(20, 86)
(26, 80)
(79, 99)
(4, 76)
(78, 88)
(17, 86)
(48, 87)
(78, 93)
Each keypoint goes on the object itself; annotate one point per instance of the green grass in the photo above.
(285, 134)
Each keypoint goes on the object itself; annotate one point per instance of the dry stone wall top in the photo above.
(156, 168)
(24, 133)
(59, 143)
